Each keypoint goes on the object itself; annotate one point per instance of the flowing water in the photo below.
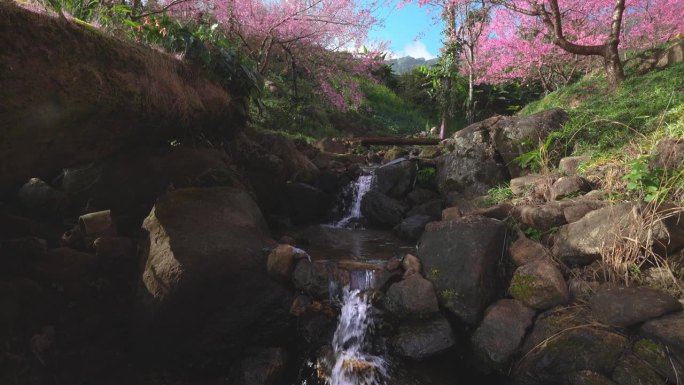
(353, 363)
(359, 188)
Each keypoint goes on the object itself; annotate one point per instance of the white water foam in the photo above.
(353, 365)
(360, 188)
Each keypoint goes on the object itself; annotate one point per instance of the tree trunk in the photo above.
(443, 128)
(470, 110)
(613, 65)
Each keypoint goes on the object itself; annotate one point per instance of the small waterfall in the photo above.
(353, 365)
(360, 188)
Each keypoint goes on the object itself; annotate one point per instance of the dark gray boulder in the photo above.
(381, 210)
(421, 339)
(203, 260)
(413, 297)
(396, 179)
(502, 331)
(626, 306)
(412, 227)
(460, 257)
(517, 135)
(539, 284)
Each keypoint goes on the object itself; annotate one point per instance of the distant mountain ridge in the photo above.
(405, 64)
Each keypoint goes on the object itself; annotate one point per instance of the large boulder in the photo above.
(130, 181)
(566, 342)
(381, 210)
(668, 330)
(414, 297)
(421, 339)
(583, 241)
(461, 258)
(472, 167)
(516, 135)
(303, 203)
(412, 227)
(204, 286)
(396, 179)
(539, 284)
(502, 331)
(659, 358)
(631, 370)
(626, 306)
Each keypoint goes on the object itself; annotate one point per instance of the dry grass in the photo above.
(636, 249)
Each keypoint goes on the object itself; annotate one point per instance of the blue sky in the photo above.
(411, 30)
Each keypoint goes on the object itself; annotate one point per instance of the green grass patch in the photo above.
(604, 121)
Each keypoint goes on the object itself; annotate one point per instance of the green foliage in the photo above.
(389, 111)
(499, 194)
(652, 184)
(426, 176)
(603, 121)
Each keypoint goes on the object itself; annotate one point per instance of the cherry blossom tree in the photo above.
(321, 38)
(524, 36)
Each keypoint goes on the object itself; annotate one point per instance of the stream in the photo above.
(358, 353)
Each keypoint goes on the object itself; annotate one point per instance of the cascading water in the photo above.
(353, 365)
(360, 188)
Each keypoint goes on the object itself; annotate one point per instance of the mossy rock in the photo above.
(657, 356)
(631, 370)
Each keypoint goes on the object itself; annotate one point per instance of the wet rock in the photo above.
(421, 339)
(567, 186)
(413, 297)
(626, 306)
(433, 209)
(577, 209)
(41, 199)
(517, 135)
(586, 377)
(304, 203)
(461, 258)
(316, 328)
(526, 183)
(262, 366)
(411, 265)
(524, 251)
(565, 342)
(542, 218)
(668, 154)
(281, 262)
(115, 248)
(311, 278)
(502, 331)
(381, 210)
(451, 213)
(500, 211)
(421, 195)
(658, 357)
(539, 284)
(668, 330)
(396, 179)
(412, 227)
(570, 164)
(204, 261)
(632, 371)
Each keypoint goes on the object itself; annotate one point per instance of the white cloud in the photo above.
(415, 49)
